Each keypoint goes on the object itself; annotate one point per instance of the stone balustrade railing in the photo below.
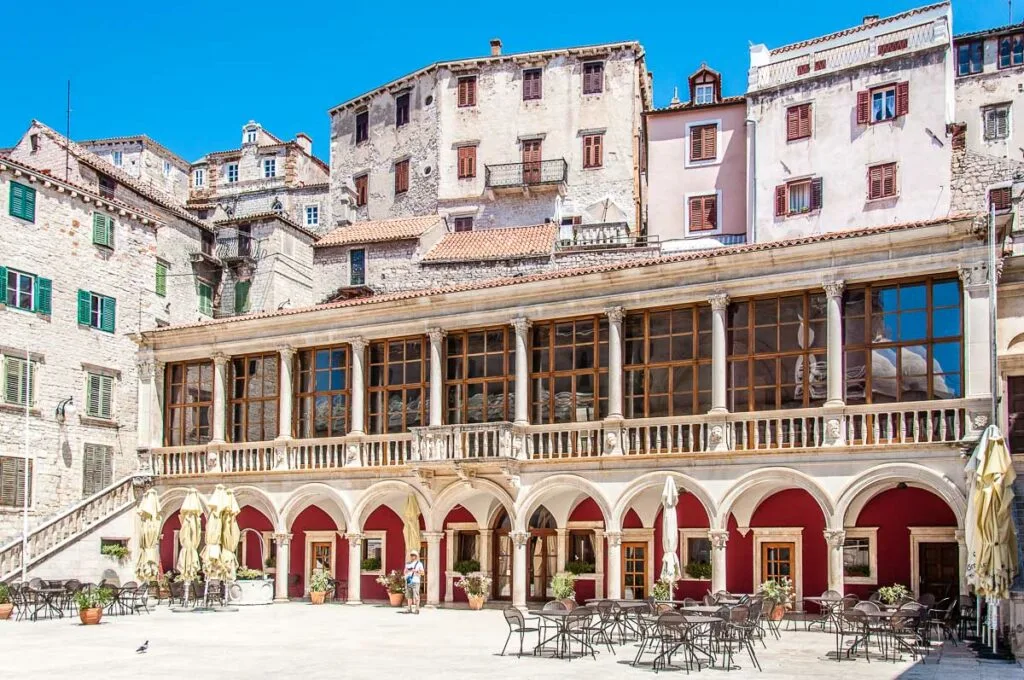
(868, 425)
(70, 524)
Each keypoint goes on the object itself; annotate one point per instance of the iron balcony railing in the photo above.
(526, 174)
(237, 247)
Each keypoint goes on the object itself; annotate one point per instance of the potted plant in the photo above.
(467, 566)
(370, 564)
(563, 585)
(476, 587)
(699, 570)
(781, 593)
(319, 584)
(577, 567)
(395, 584)
(90, 602)
(893, 594)
(856, 570)
(662, 589)
(115, 551)
(6, 606)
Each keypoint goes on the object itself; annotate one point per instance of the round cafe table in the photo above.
(564, 636)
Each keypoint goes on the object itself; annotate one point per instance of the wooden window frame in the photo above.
(96, 386)
(593, 77)
(701, 149)
(799, 122)
(401, 177)
(312, 212)
(543, 372)
(882, 170)
(900, 106)
(460, 223)
(351, 268)
(466, 161)
(784, 195)
(199, 408)
(1012, 41)
(974, 66)
(379, 388)
(231, 172)
(362, 188)
(267, 423)
(303, 426)
(269, 168)
(199, 178)
(867, 344)
(461, 383)
(32, 375)
(204, 308)
(12, 295)
(640, 348)
(746, 351)
(21, 202)
(160, 285)
(593, 151)
(697, 221)
(402, 109)
(533, 84)
(992, 111)
(362, 127)
(16, 467)
(103, 228)
(1000, 198)
(106, 467)
(466, 92)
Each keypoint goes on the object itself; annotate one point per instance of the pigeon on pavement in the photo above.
(142, 648)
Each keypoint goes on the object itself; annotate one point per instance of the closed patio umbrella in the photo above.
(147, 568)
(670, 569)
(411, 527)
(989, 532)
(230, 535)
(188, 537)
(213, 564)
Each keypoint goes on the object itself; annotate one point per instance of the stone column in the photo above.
(283, 543)
(284, 393)
(157, 397)
(521, 325)
(718, 537)
(484, 550)
(146, 368)
(355, 572)
(835, 539)
(358, 391)
(433, 539)
(719, 307)
(449, 563)
(834, 356)
(436, 376)
(519, 540)
(562, 548)
(599, 562)
(220, 408)
(615, 316)
(977, 340)
(614, 564)
(961, 542)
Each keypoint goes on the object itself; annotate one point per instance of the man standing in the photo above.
(413, 574)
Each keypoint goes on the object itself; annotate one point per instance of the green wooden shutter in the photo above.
(3, 285)
(102, 230)
(97, 468)
(161, 279)
(12, 481)
(108, 312)
(84, 307)
(12, 380)
(205, 299)
(88, 470)
(44, 295)
(98, 395)
(23, 202)
(242, 296)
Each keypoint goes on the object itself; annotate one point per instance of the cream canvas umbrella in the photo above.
(188, 538)
(411, 528)
(230, 535)
(670, 570)
(989, 532)
(213, 564)
(147, 568)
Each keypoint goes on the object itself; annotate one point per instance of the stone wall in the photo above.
(975, 173)
(82, 559)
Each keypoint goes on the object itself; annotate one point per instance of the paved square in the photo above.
(331, 641)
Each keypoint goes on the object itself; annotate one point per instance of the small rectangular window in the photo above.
(312, 215)
(970, 57)
(161, 278)
(198, 178)
(269, 168)
(362, 126)
(401, 177)
(704, 142)
(232, 173)
(996, 121)
(20, 289)
(703, 213)
(798, 122)
(857, 557)
(467, 162)
(882, 181)
(402, 109)
(97, 311)
(205, 298)
(882, 104)
(98, 393)
(361, 190)
(798, 197)
(97, 468)
(372, 554)
(593, 151)
(167, 168)
(532, 84)
(107, 185)
(1011, 50)
(357, 267)
(13, 471)
(704, 94)
(18, 383)
(1001, 198)
(22, 202)
(462, 224)
(593, 77)
(467, 91)
(103, 230)
(118, 159)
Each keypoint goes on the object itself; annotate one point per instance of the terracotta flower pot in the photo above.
(778, 611)
(476, 602)
(90, 617)
(5, 611)
(396, 599)
(317, 598)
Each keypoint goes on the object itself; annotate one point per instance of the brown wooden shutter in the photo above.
(695, 213)
(805, 120)
(889, 179)
(780, 200)
(816, 193)
(710, 139)
(711, 212)
(863, 107)
(696, 143)
(902, 98)
(792, 123)
(875, 182)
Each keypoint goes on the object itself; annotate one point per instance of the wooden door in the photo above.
(778, 560)
(501, 565)
(531, 161)
(634, 570)
(938, 569)
(321, 554)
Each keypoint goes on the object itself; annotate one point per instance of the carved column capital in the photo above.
(358, 343)
(718, 301)
(283, 540)
(519, 538)
(614, 538)
(834, 289)
(835, 538)
(286, 352)
(616, 314)
(521, 325)
(436, 334)
(220, 359)
(355, 541)
(147, 368)
(433, 537)
(961, 536)
(718, 538)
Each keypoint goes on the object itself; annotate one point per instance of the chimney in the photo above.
(495, 47)
(305, 142)
(870, 19)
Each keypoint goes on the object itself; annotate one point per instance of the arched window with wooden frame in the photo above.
(253, 405)
(189, 399)
(569, 370)
(322, 392)
(397, 388)
(480, 375)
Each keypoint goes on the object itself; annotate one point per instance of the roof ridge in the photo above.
(855, 29)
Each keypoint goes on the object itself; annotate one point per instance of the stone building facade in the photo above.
(497, 141)
(145, 160)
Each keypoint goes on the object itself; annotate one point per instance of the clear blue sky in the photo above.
(191, 73)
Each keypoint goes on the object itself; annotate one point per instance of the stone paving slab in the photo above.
(369, 641)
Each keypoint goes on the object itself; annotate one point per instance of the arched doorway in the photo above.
(542, 552)
(501, 558)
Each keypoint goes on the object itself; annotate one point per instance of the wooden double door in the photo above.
(938, 567)
(531, 161)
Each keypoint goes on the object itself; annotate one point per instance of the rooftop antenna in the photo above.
(67, 138)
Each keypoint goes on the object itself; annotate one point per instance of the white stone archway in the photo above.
(874, 481)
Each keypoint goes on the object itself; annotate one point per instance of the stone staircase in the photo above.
(70, 525)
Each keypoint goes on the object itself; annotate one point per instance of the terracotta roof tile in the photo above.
(986, 32)
(376, 231)
(495, 244)
(570, 273)
(690, 106)
(856, 29)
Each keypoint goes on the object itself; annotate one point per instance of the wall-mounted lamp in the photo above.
(65, 409)
(901, 485)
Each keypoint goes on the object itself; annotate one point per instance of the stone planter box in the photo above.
(259, 591)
